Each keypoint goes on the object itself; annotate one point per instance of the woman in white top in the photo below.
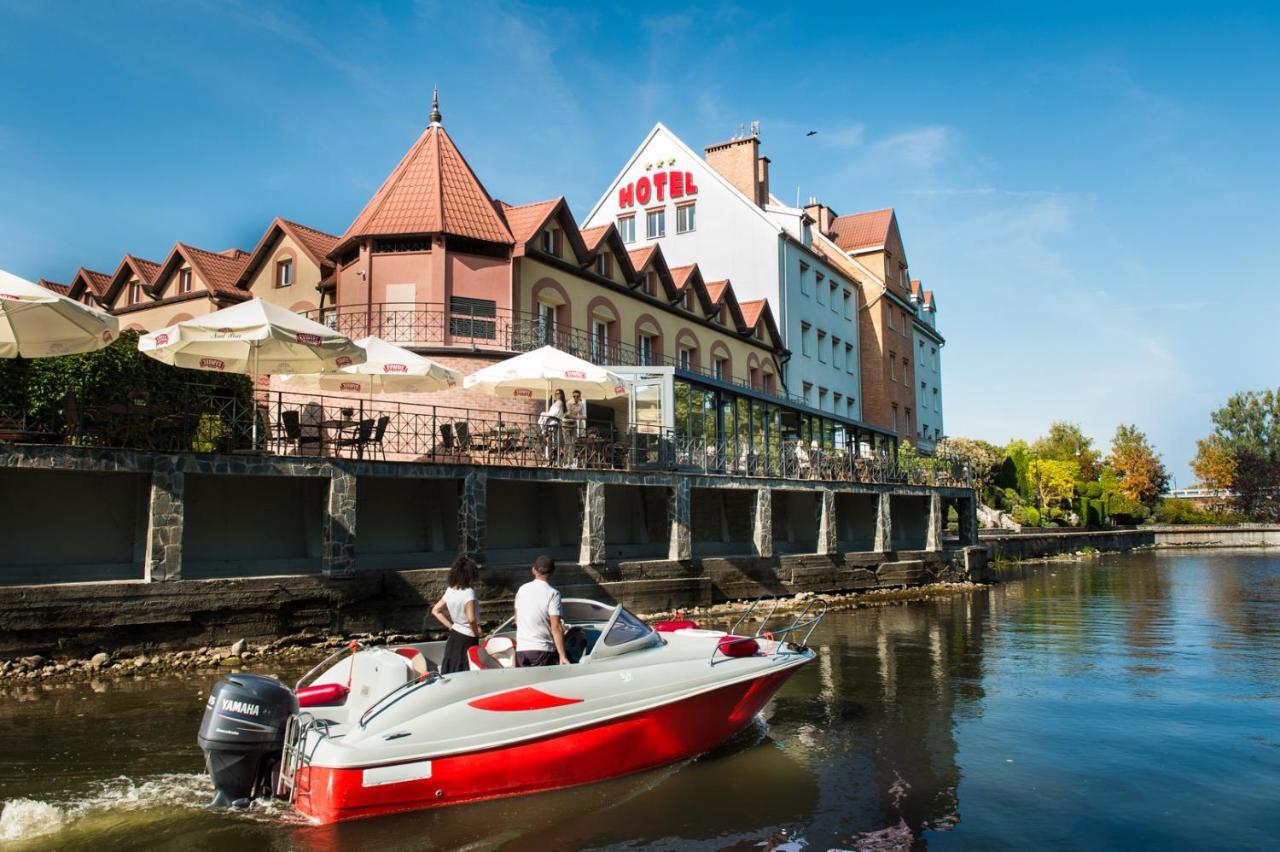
(459, 611)
(549, 420)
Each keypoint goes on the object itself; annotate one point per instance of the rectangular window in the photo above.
(848, 301)
(891, 318)
(804, 279)
(808, 393)
(685, 218)
(547, 323)
(644, 347)
(936, 405)
(686, 359)
(688, 299)
(906, 379)
(651, 283)
(473, 317)
(817, 283)
(604, 265)
(848, 358)
(834, 303)
(805, 348)
(655, 223)
(822, 399)
(549, 242)
(835, 352)
(135, 292)
(893, 367)
(908, 423)
(822, 346)
(599, 340)
(719, 369)
(184, 281)
(284, 272)
(627, 228)
(893, 416)
(933, 356)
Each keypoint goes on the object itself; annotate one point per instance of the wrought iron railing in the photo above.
(206, 418)
(468, 326)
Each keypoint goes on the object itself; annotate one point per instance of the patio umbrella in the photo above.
(387, 369)
(253, 337)
(38, 323)
(543, 370)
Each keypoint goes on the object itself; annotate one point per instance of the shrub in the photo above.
(1032, 516)
(1125, 511)
(1093, 491)
(1174, 511)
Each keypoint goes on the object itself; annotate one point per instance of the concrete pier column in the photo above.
(884, 525)
(163, 557)
(827, 522)
(471, 514)
(680, 514)
(339, 558)
(933, 535)
(967, 514)
(762, 522)
(591, 550)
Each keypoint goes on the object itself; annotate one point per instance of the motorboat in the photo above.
(376, 730)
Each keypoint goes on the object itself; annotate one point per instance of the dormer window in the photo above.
(651, 283)
(135, 292)
(604, 265)
(551, 241)
(688, 299)
(284, 272)
(184, 281)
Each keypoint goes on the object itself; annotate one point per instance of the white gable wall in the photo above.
(735, 239)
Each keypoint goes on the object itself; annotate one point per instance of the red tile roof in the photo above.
(316, 243)
(431, 191)
(60, 289)
(862, 230)
(681, 274)
(525, 220)
(751, 311)
(218, 270)
(641, 257)
(715, 289)
(593, 236)
(915, 287)
(928, 299)
(97, 282)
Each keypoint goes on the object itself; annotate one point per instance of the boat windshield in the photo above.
(626, 629)
(578, 611)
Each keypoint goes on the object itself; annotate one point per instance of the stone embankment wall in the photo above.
(127, 617)
(1034, 544)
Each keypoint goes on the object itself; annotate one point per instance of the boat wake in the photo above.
(125, 804)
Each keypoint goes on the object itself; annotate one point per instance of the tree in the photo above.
(1052, 479)
(1250, 423)
(1019, 452)
(1143, 476)
(1067, 442)
(1214, 463)
(982, 457)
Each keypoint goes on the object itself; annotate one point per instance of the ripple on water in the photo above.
(124, 803)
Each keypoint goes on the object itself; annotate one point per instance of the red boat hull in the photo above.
(644, 740)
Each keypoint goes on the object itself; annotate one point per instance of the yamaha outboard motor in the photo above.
(242, 735)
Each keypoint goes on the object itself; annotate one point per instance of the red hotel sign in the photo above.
(644, 189)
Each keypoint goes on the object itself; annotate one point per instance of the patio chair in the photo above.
(446, 438)
(361, 439)
(291, 419)
(463, 431)
(380, 431)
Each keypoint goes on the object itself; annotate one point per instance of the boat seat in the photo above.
(674, 625)
(416, 661)
(322, 695)
(481, 659)
(502, 649)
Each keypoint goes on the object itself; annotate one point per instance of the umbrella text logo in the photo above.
(574, 374)
(394, 368)
(212, 364)
(342, 361)
(9, 296)
(522, 392)
(162, 340)
(350, 386)
(309, 339)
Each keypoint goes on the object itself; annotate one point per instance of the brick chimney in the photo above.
(821, 214)
(738, 161)
(762, 181)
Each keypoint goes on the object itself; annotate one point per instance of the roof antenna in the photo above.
(434, 118)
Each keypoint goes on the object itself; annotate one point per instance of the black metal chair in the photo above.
(463, 431)
(292, 422)
(446, 438)
(379, 431)
(364, 432)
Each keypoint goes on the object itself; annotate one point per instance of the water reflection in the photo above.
(1126, 701)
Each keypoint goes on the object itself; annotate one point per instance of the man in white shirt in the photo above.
(539, 630)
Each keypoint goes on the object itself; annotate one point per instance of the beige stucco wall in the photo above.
(632, 312)
(299, 296)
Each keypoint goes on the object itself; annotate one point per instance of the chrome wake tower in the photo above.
(807, 620)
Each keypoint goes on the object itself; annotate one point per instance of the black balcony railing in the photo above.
(482, 327)
(205, 418)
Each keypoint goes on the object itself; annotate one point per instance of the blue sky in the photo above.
(1092, 193)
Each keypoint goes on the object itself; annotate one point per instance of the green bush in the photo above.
(1126, 512)
(1032, 517)
(1093, 491)
(1174, 511)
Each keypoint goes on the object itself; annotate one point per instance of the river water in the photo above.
(1128, 701)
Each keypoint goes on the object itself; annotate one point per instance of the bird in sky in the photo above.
(812, 133)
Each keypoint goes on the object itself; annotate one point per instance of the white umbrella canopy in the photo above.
(387, 369)
(253, 337)
(39, 323)
(546, 369)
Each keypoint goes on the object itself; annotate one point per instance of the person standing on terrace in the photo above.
(550, 421)
(458, 610)
(577, 417)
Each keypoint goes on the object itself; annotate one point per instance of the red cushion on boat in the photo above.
(738, 646)
(321, 694)
(473, 654)
(670, 626)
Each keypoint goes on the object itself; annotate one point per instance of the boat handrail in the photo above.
(806, 619)
(751, 609)
(389, 699)
(353, 646)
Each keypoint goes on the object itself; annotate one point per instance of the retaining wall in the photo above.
(1032, 544)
